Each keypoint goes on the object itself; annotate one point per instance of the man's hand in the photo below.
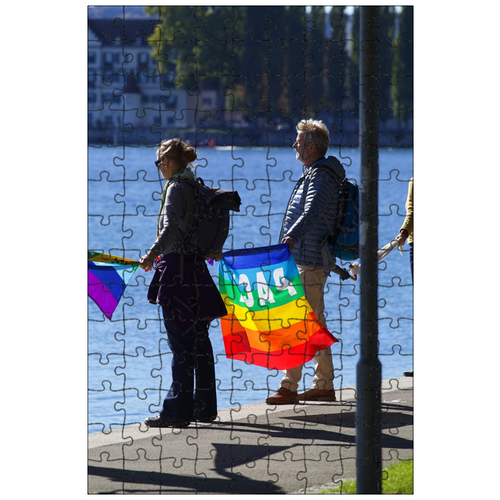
(290, 241)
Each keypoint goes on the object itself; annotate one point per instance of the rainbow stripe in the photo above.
(269, 321)
(107, 278)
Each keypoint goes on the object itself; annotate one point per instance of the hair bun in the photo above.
(179, 151)
(188, 156)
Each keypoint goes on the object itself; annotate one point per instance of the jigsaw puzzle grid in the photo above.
(242, 120)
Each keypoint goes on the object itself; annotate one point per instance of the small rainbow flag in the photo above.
(270, 323)
(107, 278)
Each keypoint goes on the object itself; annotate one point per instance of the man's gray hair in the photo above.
(317, 133)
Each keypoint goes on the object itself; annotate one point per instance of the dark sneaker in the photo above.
(167, 422)
(318, 395)
(283, 396)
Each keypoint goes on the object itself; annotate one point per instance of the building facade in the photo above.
(127, 94)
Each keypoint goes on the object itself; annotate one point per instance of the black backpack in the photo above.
(206, 237)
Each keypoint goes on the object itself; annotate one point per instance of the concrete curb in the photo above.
(232, 414)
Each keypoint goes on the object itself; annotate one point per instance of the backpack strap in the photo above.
(333, 232)
(190, 229)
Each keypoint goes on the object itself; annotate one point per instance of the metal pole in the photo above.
(369, 372)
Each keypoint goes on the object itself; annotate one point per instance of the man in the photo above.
(315, 196)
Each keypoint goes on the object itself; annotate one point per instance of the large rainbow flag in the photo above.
(107, 278)
(270, 323)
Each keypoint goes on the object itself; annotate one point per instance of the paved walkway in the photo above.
(256, 448)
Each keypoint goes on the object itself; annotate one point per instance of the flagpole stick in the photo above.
(369, 372)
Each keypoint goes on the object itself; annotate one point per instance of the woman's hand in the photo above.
(401, 237)
(146, 261)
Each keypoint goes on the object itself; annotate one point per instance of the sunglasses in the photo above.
(157, 162)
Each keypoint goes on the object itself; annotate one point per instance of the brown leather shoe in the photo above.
(283, 396)
(317, 395)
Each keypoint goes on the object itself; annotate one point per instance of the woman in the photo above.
(182, 285)
(406, 231)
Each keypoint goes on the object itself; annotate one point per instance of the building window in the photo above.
(165, 101)
(166, 80)
(171, 101)
(92, 57)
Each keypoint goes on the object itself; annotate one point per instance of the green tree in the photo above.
(278, 61)
(316, 62)
(255, 67)
(197, 41)
(402, 68)
(350, 83)
(352, 73)
(387, 21)
(338, 63)
(293, 62)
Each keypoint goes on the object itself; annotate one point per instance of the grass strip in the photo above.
(396, 479)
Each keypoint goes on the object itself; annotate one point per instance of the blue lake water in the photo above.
(129, 359)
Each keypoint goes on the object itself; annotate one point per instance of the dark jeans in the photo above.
(411, 260)
(192, 359)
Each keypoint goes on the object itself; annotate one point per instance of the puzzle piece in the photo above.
(234, 82)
